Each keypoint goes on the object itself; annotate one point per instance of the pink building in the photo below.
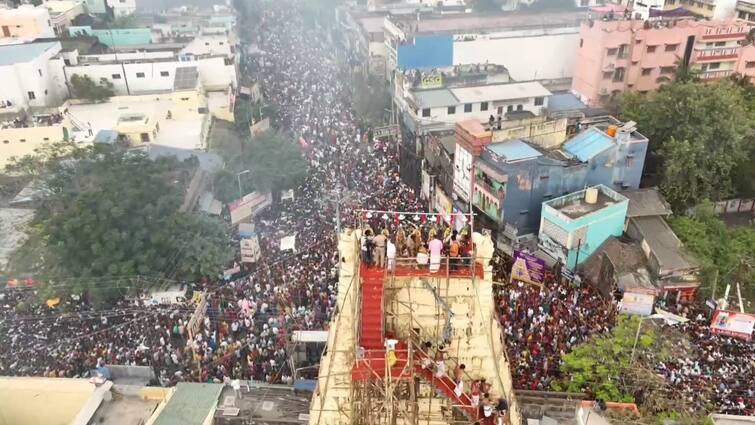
(634, 55)
(24, 23)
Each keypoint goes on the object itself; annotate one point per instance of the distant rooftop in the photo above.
(576, 205)
(435, 98)
(124, 409)
(19, 53)
(562, 102)
(190, 404)
(480, 93)
(469, 22)
(663, 243)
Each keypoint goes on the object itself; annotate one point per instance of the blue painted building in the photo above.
(574, 226)
(426, 52)
(512, 179)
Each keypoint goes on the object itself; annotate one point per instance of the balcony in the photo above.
(715, 75)
(719, 54)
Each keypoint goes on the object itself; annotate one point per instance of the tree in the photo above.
(725, 255)
(703, 129)
(274, 161)
(112, 212)
(83, 87)
(595, 365)
(370, 100)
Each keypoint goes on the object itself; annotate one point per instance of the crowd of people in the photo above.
(251, 316)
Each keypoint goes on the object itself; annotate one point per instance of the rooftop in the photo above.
(182, 131)
(469, 22)
(589, 143)
(124, 409)
(663, 243)
(43, 401)
(19, 53)
(267, 404)
(513, 150)
(576, 205)
(646, 202)
(435, 98)
(563, 102)
(507, 91)
(190, 404)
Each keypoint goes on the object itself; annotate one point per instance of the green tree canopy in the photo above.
(112, 212)
(701, 133)
(274, 160)
(83, 87)
(726, 255)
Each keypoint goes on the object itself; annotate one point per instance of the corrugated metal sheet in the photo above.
(190, 404)
(514, 150)
(588, 143)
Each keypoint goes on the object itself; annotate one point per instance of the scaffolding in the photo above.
(391, 385)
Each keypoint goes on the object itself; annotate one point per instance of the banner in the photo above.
(288, 243)
(250, 250)
(528, 268)
(729, 323)
(637, 303)
(242, 210)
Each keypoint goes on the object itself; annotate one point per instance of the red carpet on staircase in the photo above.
(372, 332)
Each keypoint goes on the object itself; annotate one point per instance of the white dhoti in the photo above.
(434, 263)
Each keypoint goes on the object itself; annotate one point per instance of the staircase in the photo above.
(445, 387)
(372, 330)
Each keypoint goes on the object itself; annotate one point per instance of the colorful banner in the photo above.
(242, 210)
(528, 268)
(637, 303)
(730, 323)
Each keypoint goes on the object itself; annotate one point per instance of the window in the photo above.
(651, 49)
(207, 44)
(720, 44)
(22, 140)
(5, 142)
(164, 73)
(31, 95)
(612, 52)
(40, 72)
(67, 62)
(749, 65)
(618, 74)
(539, 101)
(584, 3)
(670, 2)
(139, 75)
(710, 7)
(607, 75)
(671, 47)
(647, 71)
(45, 92)
(144, 137)
(46, 139)
(668, 69)
(510, 108)
(581, 42)
(484, 106)
(116, 76)
(714, 65)
(451, 110)
(426, 112)
(622, 53)
(220, 44)
(519, 107)
(467, 108)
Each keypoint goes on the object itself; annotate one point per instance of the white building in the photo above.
(122, 7)
(440, 109)
(28, 78)
(148, 72)
(62, 13)
(533, 46)
(24, 23)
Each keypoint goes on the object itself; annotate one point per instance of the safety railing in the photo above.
(457, 267)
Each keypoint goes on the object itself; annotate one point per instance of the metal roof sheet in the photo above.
(588, 143)
(561, 102)
(190, 404)
(514, 150)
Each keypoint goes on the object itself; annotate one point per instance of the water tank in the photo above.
(611, 131)
(591, 195)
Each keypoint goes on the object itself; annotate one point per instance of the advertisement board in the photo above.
(637, 303)
(443, 203)
(528, 268)
(250, 250)
(730, 323)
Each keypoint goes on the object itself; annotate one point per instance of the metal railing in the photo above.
(716, 52)
(446, 267)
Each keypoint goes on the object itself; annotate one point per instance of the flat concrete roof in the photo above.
(435, 98)
(20, 53)
(663, 243)
(190, 404)
(124, 409)
(182, 131)
(504, 20)
(494, 92)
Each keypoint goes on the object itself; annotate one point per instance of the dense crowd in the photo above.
(251, 316)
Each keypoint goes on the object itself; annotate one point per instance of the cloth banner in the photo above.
(730, 323)
(288, 243)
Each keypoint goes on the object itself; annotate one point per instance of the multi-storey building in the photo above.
(631, 55)
(745, 9)
(24, 23)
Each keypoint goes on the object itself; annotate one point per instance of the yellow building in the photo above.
(17, 141)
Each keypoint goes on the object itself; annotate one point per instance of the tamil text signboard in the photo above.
(528, 268)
